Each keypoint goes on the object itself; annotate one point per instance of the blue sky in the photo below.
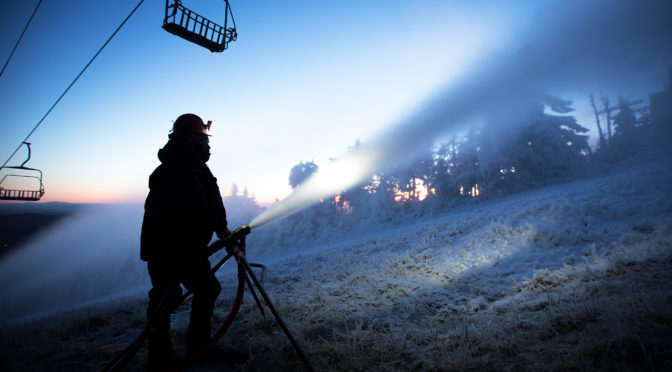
(304, 81)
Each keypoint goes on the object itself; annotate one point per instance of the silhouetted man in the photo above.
(183, 209)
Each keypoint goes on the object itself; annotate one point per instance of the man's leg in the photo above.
(206, 289)
(161, 355)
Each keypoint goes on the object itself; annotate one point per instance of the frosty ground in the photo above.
(575, 276)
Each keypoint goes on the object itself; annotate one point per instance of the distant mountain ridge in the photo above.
(39, 208)
(20, 221)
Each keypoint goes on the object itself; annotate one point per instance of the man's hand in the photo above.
(223, 234)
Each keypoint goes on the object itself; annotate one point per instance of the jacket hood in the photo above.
(183, 151)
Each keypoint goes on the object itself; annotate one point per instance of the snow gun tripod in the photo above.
(235, 247)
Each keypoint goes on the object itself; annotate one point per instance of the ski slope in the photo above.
(574, 275)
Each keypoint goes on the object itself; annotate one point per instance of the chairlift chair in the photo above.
(22, 193)
(193, 27)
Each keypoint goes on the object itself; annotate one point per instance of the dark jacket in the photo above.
(184, 206)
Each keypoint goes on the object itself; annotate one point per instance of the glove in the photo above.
(223, 234)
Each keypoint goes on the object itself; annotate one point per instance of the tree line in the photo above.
(502, 155)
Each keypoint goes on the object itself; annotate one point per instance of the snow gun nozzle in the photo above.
(240, 232)
(235, 238)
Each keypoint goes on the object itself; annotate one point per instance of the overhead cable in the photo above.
(73, 83)
(20, 37)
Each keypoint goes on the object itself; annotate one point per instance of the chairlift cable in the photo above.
(228, 6)
(73, 83)
(20, 37)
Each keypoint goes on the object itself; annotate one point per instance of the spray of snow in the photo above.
(336, 176)
(89, 255)
(546, 55)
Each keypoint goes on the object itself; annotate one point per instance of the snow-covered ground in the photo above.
(571, 276)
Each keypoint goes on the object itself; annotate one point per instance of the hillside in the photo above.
(572, 276)
(20, 221)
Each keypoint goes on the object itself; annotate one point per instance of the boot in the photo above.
(161, 357)
(218, 355)
(198, 335)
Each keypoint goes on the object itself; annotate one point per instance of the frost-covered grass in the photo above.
(569, 277)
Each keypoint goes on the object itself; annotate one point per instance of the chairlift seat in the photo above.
(32, 194)
(195, 38)
(199, 30)
(24, 195)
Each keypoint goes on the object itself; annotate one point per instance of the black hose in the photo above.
(244, 270)
(122, 360)
(227, 323)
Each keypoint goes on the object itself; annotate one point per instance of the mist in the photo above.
(562, 46)
(91, 255)
(87, 256)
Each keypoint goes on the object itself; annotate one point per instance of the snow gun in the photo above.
(235, 239)
(235, 247)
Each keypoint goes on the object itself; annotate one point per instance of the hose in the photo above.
(227, 323)
(162, 309)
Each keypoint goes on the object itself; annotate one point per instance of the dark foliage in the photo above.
(545, 145)
(300, 173)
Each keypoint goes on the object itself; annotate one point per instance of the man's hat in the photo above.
(190, 124)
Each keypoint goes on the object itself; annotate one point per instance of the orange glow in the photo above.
(421, 192)
(475, 191)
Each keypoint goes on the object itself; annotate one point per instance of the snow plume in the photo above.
(87, 256)
(91, 255)
(561, 46)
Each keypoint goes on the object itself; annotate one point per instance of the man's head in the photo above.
(190, 131)
(189, 124)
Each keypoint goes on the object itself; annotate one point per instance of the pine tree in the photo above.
(625, 120)
(301, 172)
(551, 147)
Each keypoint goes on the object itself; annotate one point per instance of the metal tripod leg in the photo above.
(254, 295)
(261, 290)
